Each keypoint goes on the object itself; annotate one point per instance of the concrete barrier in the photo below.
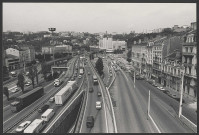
(188, 123)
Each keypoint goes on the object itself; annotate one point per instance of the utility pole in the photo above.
(52, 30)
(24, 64)
(181, 94)
(134, 78)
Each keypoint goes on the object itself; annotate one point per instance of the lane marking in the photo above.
(154, 123)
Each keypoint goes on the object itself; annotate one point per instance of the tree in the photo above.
(20, 82)
(5, 92)
(45, 68)
(129, 56)
(36, 73)
(33, 62)
(5, 73)
(99, 66)
(31, 75)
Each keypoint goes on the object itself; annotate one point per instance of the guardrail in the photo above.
(60, 116)
(47, 98)
(188, 123)
(109, 99)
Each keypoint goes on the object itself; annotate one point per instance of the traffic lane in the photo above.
(99, 125)
(130, 117)
(190, 114)
(106, 73)
(166, 122)
(37, 115)
(7, 113)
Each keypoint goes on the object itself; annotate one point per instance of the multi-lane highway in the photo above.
(11, 119)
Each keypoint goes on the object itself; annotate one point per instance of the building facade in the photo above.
(189, 60)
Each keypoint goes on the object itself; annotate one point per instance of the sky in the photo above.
(96, 17)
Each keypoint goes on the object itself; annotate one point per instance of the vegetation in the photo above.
(129, 54)
(6, 92)
(21, 82)
(99, 66)
(31, 75)
(45, 68)
(118, 51)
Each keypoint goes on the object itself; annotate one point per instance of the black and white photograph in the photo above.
(82, 67)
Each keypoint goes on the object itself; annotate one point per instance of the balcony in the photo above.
(188, 53)
(189, 43)
(188, 64)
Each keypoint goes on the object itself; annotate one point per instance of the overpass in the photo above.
(55, 69)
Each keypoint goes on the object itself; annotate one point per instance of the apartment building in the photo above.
(189, 60)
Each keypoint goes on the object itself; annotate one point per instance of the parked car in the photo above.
(22, 126)
(88, 73)
(99, 94)
(90, 121)
(166, 91)
(91, 89)
(52, 99)
(43, 108)
(28, 83)
(79, 76)
(14, 90)
(98, 105)
(161, 88)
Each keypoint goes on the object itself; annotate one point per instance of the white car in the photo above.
(79, 76)
(98, 105)
(23, 126)
(14, 90)
(161, 88)
(28, 83)
(52, 99)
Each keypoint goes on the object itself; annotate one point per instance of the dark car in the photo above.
(91, 89)
(43, 108)
(99, 94)
(90, 121)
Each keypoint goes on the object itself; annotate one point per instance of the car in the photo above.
(14, 90)
(99, 94)
(88, 73)
(43, 108)
(166, 92)
(80, 76)
(155, 85)
(98, 105)
(22, 126)
(73, 78)
(28, 83)
(161, 88)
(91, 89)
(27, 73)
(52, 99)
(90, 121)
(110, 74)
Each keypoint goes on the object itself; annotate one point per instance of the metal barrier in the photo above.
(188, 123)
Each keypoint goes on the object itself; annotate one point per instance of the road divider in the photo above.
(188, 123)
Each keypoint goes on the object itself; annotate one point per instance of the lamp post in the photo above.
(52, 30)
(181, 93)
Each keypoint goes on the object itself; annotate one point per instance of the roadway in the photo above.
(10, 118)
(131, 108)
(99, 115)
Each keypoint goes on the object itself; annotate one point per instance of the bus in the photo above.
(35, 127)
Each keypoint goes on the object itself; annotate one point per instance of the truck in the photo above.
(26, 99)
(65, 93)
(81, 71)
(95, 81)
(35, 127)
(47, 115)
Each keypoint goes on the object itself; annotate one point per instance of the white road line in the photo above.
(154, 124)
(10, 118)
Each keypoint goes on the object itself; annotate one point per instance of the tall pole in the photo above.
(52, 30)
(181, 94)
(24, 64)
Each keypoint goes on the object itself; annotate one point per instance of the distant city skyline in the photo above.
(96, 17)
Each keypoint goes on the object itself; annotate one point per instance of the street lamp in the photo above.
(52, 30)
(181, 93)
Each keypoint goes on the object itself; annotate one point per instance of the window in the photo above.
(186, 49)
(191, 49)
